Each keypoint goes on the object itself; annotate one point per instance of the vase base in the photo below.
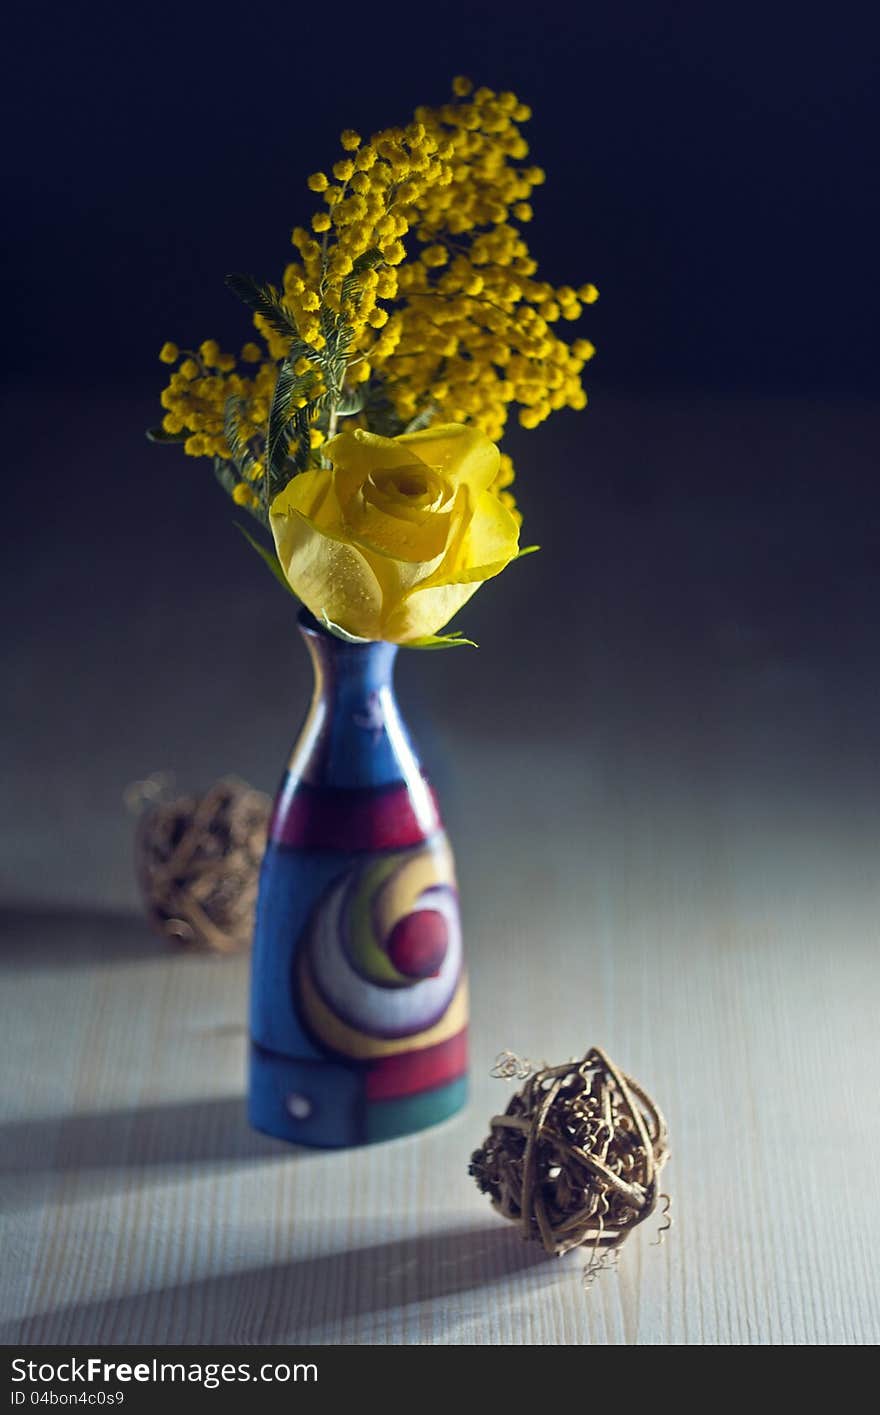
(387, 1119)
(322, 1104)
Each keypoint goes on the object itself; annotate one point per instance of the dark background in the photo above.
(709, 524)
(713, 168)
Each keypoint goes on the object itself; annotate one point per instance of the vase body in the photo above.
(358, 990)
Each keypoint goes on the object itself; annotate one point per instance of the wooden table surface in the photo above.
(728, 961)
(660, 776)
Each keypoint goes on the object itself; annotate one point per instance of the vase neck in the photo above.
(353, 735)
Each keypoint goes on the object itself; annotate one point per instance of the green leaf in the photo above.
(264, 300)
(226, 474)
(421, 420)
(344, 336)
(268, 559)
(158, 434)
(229, 477)
(526, 550)
(381, 415)
(279, 430)
(351, 401)
(455, 640)
(368, 261)
(241, 453)
(299, 429)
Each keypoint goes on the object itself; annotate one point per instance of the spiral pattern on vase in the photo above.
(383, 948)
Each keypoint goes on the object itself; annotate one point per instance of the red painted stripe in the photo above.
(384, 818)
(409, 1072)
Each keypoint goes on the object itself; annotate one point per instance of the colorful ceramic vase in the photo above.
(358, 994)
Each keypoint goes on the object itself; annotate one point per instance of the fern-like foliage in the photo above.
(239, 445)
(289, 424)
(266, 301)
(351, 284)
(279, 429)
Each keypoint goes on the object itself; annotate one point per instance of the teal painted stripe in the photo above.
(385, 1119)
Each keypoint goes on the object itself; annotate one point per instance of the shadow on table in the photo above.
(33, 937)
(302, 1301)
(89, 1145)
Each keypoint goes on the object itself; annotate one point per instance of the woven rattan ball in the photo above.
(576, 1156)
(198, 861)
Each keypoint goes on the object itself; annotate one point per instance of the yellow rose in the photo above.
(397, 534)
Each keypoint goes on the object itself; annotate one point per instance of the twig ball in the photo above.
(198, 861)
(576, 1156)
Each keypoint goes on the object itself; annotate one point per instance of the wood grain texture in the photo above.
(711, 922)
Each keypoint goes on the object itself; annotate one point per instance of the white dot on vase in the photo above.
(299, 1106)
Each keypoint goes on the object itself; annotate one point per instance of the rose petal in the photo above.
(425, 611)
(399, 538)
(490, 540)
(331, 577)
(463, 455)
(356, 454)
(397, 578)
(306, 493)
